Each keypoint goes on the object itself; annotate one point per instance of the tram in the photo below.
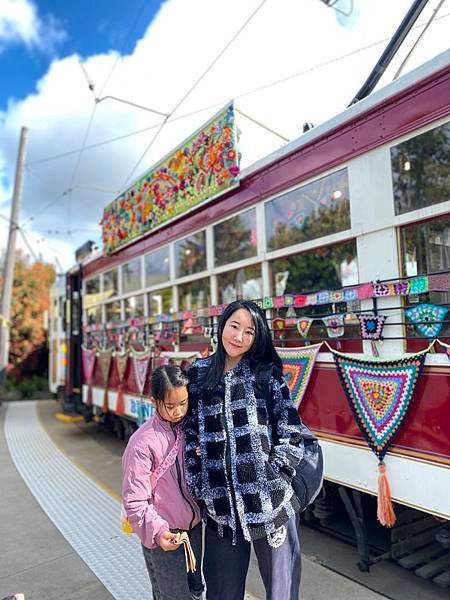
(350, 219)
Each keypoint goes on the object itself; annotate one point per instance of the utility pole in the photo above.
(8, 277)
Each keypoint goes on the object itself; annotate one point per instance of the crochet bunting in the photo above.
(380, 394)
(334, 325)
(371, 326)
(141, 362)
(104, 359)
(304, 325)
(88, 357)
(427, 318)
(121, 367)
(297, 367)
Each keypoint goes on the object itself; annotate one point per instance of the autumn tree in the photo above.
(30, 300)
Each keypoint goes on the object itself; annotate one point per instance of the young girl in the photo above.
(249, 449)
(157, 511)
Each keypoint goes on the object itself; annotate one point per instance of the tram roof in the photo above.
(391, 89)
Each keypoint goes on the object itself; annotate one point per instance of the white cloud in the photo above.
(285, 37)
(21, 24)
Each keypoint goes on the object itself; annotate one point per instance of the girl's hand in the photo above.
(198, 451)
(167, 541)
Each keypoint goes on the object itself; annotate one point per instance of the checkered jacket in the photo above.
(264, 450)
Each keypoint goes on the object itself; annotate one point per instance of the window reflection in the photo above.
(110, 284)
(131, 276)
(421, 170)
(157, 268)
(191, 254)
(240, 284)
(92, 291)
(317, 209)
(112, 312)
(327, 268)
(235, 239)
(194, 295)
(134, 307)
(426, 249)
(94, 315)
(160, 301)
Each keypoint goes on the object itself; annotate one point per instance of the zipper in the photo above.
(177, 464)
(228, 480)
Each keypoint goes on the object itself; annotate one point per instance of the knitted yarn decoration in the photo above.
(104, 359)
(427, 318)
(297, 368)
(380, 394)
(88, 356)
(121, 367)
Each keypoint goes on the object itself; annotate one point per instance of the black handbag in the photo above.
(308, 479)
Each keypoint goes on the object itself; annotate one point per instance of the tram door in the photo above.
(73, 328)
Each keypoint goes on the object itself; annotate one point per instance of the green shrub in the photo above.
(26, 388)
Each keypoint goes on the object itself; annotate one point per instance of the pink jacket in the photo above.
(151, 512)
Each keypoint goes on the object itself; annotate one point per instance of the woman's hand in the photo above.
(167, 541)
(198, 452)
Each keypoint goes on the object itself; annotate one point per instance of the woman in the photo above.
(241, 454)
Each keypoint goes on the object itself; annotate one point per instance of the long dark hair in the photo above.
(164, 379)
(260, 354)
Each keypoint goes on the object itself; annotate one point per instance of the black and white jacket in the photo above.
(263, 450)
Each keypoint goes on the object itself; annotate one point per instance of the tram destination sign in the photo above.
(203, 167)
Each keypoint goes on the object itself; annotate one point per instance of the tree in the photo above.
(30, 300)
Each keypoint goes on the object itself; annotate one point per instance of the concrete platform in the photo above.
(36, 559)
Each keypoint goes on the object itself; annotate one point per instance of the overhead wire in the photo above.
(191, 89)
(261, 88)
(419, 38)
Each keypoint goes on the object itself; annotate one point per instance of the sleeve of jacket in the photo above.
(193, 462)
(147, 524)
(288, 447)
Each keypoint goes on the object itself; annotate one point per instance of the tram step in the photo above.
(411, 561)
(443, 579)
(405, 531)
(434, 567)
(405, 546)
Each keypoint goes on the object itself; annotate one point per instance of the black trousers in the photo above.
(225, 565)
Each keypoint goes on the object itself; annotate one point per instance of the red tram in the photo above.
(352, 218)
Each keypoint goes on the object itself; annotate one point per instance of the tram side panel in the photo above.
(418, 462)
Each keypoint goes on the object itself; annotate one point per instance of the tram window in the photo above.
(316, 209)
(92, 291)
(425, 249)
(157, 267)
(112, 310)
(240, 284)
(191, 254)
(421, 170)
(235, 238)
(160, 301)
(134, 307)
(327, 268)
(131, 276)
(195, 294)
(110, 284)
(94, 315)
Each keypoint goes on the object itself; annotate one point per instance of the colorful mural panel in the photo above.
(204, 166)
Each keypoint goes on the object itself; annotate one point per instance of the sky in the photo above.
(151, 53)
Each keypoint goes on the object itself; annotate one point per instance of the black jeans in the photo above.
(225, 565)
(167, 570)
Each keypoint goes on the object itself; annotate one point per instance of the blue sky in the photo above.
(84, 27)
(295, 61)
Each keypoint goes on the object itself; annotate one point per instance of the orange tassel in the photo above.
(105, 406)
(120, 409)
(385, 510)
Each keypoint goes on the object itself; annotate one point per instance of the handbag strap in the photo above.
(168, 461)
